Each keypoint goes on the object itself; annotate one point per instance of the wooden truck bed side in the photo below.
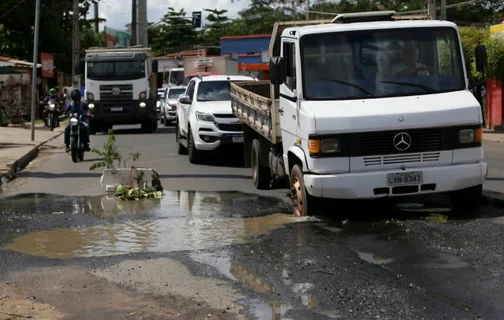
(251, 103)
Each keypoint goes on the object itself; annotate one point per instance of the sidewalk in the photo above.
(17, 150)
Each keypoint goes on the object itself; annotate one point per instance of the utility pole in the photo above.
(443, 9)
(432, 9)
(96, 15)
(307, 9)
(34, 70)
(134, 23)
(76, 44)
(142, 23)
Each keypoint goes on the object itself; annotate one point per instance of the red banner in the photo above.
(47, 65)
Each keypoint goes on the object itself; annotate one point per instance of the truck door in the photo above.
(288, 95)
(183, 111)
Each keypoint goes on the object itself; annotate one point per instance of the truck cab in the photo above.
(119, 84)
(368, 107)
(205, 121)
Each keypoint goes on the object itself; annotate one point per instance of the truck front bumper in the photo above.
(373, 185)
(123, 112)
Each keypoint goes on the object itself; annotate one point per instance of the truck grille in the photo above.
(230, 127)
(120, 92)
(403, 158)
(382, 142)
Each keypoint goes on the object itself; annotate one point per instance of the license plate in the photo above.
(116, 109)
(238, 140)
(404, 178)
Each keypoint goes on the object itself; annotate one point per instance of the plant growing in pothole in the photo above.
(111, 155)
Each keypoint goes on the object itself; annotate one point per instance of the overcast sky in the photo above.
(118, 13)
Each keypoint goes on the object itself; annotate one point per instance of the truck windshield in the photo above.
(213, 91)
(177, 77)
(175, 93)
(380, 63)
(120, 70)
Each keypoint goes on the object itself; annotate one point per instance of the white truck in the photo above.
(206, 66)
(120, 87)
(205, 121)
(365, 107)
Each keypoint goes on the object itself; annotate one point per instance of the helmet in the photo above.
(52, 92)
(76, 95)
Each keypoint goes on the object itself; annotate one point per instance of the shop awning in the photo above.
(9, 70)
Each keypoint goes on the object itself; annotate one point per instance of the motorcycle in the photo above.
(77, 147)
(52, 114)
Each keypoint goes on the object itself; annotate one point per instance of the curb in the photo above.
(495, 199)
(22, 162)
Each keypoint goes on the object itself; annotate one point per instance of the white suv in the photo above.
(205, 120)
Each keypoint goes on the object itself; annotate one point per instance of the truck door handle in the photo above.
(281, 111)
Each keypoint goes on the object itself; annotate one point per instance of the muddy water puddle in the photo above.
(180, 221)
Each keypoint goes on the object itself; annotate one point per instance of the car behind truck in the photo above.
(365, 107)
(119, 85)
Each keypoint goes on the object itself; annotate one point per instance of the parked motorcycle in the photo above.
(77, 147)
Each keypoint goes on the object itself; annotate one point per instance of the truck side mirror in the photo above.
(185, 99)
(480, 54)
(277, 70)
(155, 66)
(79, 67)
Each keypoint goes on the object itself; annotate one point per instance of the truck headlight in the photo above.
(324, 146)
(471, 135)
(90, 96)
(142, 95)
(205, 117)
(142, 105)
(91, 106)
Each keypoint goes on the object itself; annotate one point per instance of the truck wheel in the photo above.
(155, 125)
(194, 154)
(260, 175)
(303, 204)
(148, 126)
(92, 128)
(181, 149)
(466, 201)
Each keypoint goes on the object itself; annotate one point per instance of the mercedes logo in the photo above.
(116, 91)
(402, 141)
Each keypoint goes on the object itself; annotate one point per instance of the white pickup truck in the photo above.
(205, 121)
(364, 107)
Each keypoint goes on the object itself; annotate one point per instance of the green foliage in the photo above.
(111, 155)
(127, 193)
(470, 38)
(495, 49)
(16, 29)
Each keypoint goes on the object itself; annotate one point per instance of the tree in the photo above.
(56, 29)
(174, 34)
(218, 25)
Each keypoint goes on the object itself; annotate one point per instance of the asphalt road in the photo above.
(215, 248)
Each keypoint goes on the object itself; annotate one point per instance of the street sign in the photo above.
(196, 19)
(47, 65)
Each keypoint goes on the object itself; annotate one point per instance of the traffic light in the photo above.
(196, 19)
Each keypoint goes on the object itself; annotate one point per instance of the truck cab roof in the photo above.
(297, 32)
(224, 77)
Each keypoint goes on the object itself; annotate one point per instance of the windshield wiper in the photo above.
(367, 93)
(411, 84)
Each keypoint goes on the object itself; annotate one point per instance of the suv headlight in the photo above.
(470, 135)
(205, 117)
(324, 146)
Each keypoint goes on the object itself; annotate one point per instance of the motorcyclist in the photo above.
(52, 96)
(81, 108)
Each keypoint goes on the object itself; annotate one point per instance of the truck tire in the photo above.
(261, 176)
(303, 204)
(466, 201)
(181, 149)
(155, 125)
(194, 154)
(148, 126)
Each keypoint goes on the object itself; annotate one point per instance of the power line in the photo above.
(9, 11)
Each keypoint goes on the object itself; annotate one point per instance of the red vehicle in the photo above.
(189, 76)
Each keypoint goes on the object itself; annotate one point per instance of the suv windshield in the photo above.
(381, 63)
(175, 93)
(111, 70)
(213, 91)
